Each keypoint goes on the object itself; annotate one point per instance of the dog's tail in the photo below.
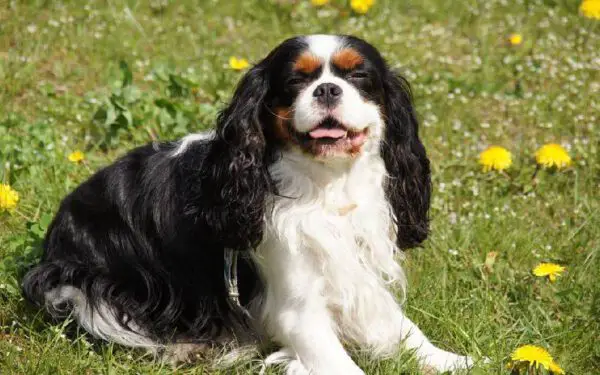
(52, 286)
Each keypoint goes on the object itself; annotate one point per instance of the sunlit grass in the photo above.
(102, 77)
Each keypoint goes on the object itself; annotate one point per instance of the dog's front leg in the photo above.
(308, 332)
(428, 354)
(297, 317)
(387, 327)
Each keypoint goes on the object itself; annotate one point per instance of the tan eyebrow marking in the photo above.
(347, 59)
(307, 63)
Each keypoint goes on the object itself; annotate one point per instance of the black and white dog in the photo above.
(314, 178)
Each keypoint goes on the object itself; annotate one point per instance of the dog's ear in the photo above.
(237, 181)
(408, 184)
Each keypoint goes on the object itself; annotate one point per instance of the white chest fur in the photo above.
(330, 237)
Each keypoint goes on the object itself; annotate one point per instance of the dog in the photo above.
(284, 223)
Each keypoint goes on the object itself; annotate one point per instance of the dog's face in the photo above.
(331, 97)
(326, 94)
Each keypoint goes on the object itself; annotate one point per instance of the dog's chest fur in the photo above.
(331, 233)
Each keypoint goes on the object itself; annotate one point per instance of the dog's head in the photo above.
(331, 97)
(327, 94)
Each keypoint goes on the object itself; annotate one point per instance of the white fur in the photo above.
(101, 322)
(186, 141)
(328, 271)
(323, 46)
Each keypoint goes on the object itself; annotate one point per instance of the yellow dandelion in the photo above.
(548, 269)
(76, 157)
(238, 64)
(319, 3)
(495, 158)
(590, 9)
(552, 155)
(515, 39)
(8, 198)
(536, 357)
(361, 6)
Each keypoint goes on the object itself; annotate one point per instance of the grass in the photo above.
(107, 75)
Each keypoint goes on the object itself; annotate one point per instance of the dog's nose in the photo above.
(327, 93)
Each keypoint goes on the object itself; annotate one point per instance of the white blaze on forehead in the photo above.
(324, 46)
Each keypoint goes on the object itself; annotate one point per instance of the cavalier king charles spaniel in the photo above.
(282, 225)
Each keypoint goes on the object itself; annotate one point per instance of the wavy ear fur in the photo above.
(408, 185)
(237, 181)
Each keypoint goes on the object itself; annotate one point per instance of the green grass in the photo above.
(62, 67)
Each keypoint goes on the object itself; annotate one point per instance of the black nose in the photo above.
(328, 93)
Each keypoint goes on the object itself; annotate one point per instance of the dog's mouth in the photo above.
(330, 131)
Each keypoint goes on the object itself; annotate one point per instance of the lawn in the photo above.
(104, 76)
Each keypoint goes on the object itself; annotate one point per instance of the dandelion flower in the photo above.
(76, 157)
(319, 3)
(548, 269)
(552, 155)
(495, 158)
(361, 6)
(8, 198)
(536, 357)
(590, 9)
(515, 39)
(238, 64)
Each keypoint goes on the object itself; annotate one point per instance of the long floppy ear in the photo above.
(237, 182)
(408, 185)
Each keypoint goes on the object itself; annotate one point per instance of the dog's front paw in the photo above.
(442, 361)
(295, 367)
(287, 358)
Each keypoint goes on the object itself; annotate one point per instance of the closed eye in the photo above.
(358, 75)
(295, 81)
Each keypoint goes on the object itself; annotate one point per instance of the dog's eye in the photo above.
(295, 81)
(358, 75)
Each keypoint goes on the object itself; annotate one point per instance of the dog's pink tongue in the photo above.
(327, 133)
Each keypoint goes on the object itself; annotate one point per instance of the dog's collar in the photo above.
(230, 271)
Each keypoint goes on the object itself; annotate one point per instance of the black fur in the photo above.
(236, 180)
(136, 235)
(408, 185)
(147, 234)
